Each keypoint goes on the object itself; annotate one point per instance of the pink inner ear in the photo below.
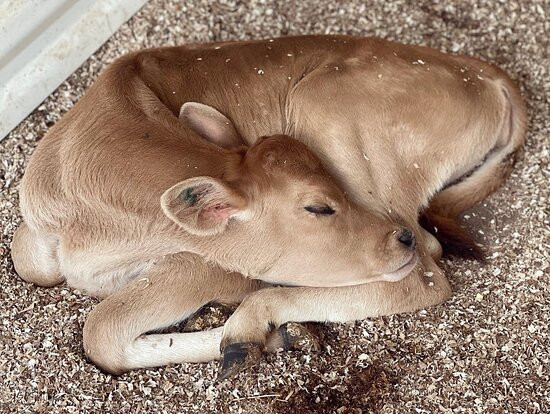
(218, 212)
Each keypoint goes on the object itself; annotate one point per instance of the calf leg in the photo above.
(114, 333)
(34, 255)
(433, 247)
(115, 336)
(264, 310)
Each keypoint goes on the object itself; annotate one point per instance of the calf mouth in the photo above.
(403, 271)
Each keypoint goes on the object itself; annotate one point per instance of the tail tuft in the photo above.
(454, 239)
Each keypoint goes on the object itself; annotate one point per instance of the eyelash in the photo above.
(320, 210)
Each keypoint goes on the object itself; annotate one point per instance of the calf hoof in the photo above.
(296, 336)
(238, 356)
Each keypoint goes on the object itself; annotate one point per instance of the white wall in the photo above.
(43, 41)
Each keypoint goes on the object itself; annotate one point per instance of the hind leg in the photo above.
(34, 255)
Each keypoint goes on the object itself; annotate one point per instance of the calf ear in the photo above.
(210, 124)
(202, 205)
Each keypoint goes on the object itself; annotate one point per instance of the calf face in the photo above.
(277, 215)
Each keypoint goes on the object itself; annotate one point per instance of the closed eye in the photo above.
(320, 209)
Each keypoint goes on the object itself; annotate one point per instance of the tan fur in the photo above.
(387, 129)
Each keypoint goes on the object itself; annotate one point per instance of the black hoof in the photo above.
(236, 357)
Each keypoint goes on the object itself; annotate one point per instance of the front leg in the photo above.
(117, 334)
(246, 330)
(122, 332)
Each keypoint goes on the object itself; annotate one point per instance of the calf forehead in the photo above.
(281, 153)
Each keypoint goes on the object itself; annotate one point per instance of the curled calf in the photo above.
(158, 204)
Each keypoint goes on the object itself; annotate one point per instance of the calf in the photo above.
(159, 215)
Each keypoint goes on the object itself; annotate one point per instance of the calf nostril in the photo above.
(407, 238)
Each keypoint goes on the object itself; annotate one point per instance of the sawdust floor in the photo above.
(486, 350)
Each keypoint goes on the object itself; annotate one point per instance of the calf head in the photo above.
(278, 216)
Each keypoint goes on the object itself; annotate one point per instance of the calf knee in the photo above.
(105, 341)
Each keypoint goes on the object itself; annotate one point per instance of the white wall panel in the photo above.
(43, 41)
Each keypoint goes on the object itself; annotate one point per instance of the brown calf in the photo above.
(128, 202)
